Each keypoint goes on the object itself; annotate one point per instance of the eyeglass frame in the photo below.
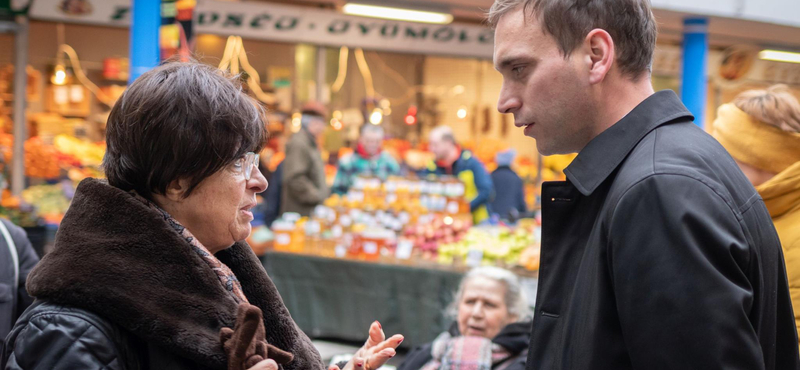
(247, 169)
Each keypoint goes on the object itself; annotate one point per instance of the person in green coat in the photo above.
(303, 185)
(368, 160)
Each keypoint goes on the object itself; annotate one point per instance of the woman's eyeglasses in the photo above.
(245, 164)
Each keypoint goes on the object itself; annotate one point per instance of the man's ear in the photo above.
(601, 54)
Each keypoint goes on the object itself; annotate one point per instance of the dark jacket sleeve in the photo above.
(417, 358)
(678, 256)
(273, 196)
(483, 181)
(341, 183)
(522, 207)
(62, 342)
(27, 261)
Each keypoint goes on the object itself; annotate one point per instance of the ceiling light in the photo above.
(462, 112)
(376, 117)
(59, 75)
(397, 14)
(779, 56)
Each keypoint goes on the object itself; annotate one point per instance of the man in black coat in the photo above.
(657, 252)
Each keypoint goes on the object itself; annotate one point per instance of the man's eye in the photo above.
(518, 70)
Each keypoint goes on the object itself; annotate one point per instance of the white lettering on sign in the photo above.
(298, 24)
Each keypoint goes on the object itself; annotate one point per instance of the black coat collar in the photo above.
(607, 151)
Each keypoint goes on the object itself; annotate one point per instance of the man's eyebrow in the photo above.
(507, 61)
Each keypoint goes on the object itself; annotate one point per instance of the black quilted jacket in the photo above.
(53, 337)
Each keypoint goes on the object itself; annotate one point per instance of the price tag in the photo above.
(371, 248)
(404, 217)
(452, 207)
(336, 231)
(404, 249)
(312, 228)
(474, 257)
(283, 239)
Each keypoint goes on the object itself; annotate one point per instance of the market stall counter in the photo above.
(338, 298)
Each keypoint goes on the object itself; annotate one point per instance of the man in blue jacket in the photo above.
(509, 200)
(451, 160)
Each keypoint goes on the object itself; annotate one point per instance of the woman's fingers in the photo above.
(376, 335)
(265, 365)
(391, 343)
(380, 358)
(358, 363)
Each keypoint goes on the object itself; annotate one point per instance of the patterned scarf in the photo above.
(224, 273)
(465, 353)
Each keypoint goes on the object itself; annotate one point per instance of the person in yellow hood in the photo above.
(761, 131)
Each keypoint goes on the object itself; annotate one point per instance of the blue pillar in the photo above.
(145, 22)
(695, 67)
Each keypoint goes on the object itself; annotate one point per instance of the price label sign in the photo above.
(371, 248)
(452, 207)
(474, 257)
(336, 231)
(283, 239)
(404, 249)
(340, 251)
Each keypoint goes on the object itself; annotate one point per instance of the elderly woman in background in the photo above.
(761, 131)
(492, 328)
(149, 269)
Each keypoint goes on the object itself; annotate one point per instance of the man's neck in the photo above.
(616, 100)
(455, 153)
(452, 157)
(362, 151)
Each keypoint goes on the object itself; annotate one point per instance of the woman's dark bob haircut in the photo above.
(181, 120)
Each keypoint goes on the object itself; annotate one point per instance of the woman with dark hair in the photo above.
(149, 269)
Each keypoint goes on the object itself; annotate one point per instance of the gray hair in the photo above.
(444, 133)
(368, 127)
(515, 298)
(630, 23)
(307, 118)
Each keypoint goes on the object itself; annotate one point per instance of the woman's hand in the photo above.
(375, 352)
(265, 365)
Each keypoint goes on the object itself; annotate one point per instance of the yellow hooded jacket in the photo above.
(781, 194)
